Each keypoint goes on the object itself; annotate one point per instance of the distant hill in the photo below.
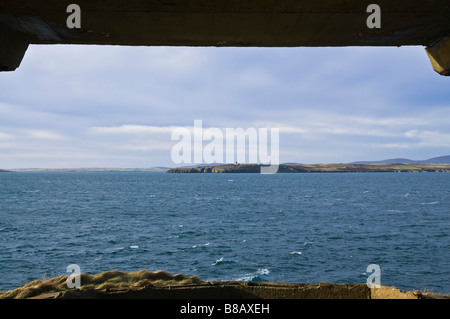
(4, 171)
(438, 160)
(434, 160)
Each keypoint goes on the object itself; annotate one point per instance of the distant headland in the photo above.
(316, 168)
(436, 164)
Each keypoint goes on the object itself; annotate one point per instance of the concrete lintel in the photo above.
(439, 55)
(12, 50)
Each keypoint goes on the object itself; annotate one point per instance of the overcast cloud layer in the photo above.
(106, 106)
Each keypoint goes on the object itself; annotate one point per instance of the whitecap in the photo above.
(218, 261)
(259, 275)
(134, 247)
(396, 211)
(247, 277)
(295, 253)
(432, 203)
(263, 271)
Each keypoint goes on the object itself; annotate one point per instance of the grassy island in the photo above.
(317, 168)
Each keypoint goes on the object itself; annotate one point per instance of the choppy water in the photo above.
(284, 227)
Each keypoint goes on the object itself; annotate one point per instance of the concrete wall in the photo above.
(279, 23)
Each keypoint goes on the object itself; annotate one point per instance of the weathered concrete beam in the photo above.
(239, 23)
(12, 50)
(439, 55)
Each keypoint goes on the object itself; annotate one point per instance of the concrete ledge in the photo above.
(240, 290)
(439, 55)
(12, 50)
(240, 23)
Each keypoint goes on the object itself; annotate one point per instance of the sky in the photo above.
(71, 106)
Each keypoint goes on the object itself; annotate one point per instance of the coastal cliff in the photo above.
(317, 168)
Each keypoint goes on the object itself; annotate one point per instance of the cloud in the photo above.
(423, 140)
(133, 129)
(43, 134)
(255, 78)
(433, 139)
(21, 135)
(5, 136)
(398, 145)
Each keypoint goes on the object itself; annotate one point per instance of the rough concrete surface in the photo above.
(239, 290)
(265, 23)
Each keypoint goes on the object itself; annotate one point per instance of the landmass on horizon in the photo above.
(435, 164)
(317, 168)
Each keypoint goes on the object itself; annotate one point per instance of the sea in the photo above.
(295, 228)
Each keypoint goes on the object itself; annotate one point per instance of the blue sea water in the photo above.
(304, 228)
